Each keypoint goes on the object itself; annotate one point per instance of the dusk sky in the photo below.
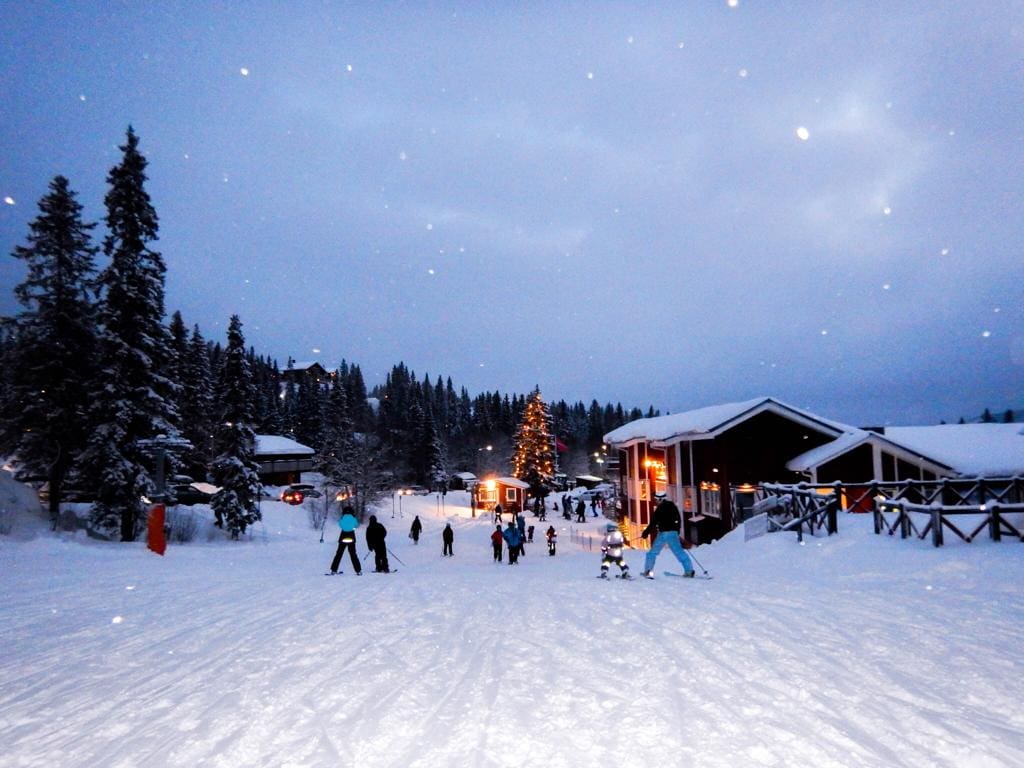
(670, 204)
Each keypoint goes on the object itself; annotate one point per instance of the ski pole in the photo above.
(692, 557)
(394, 555)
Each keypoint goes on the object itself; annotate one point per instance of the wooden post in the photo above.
(937, 527)
(993, 523)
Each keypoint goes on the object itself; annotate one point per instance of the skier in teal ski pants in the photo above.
(665, 524)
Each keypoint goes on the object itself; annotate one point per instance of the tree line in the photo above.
(94, 384)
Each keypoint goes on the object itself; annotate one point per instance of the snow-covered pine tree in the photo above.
(534, 457)
(427, 452)
(235, 470)
(335, 452)
(52, 358)
(197, 402)
(134, 399)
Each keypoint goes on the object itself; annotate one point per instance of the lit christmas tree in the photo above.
(534, 458)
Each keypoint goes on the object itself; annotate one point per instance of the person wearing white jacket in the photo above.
(611, 549)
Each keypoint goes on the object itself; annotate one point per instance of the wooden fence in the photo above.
(792, 507)
(963, 506)
(921, 519)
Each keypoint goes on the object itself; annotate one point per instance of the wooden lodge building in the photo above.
(282, 460)
(710, 460)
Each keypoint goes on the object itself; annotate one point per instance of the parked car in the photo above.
(186, 494)
(306, 490)
(415, 490)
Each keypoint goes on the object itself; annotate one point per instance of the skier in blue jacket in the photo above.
(511, 536)
(347, 540)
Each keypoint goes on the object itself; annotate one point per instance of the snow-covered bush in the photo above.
(182, 524)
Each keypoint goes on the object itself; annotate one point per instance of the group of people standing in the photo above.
(375, 536)
(664, 528)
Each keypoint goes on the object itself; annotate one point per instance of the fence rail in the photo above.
(936, 518)
(791, 507)
(963, 506)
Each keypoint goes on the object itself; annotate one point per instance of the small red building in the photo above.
(509, 491)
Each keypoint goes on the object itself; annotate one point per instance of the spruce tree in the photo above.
(52, 357)
(335, 453)
(235, 470)
(197, 403)
(426, 456)
(534, 458)
(134, 398)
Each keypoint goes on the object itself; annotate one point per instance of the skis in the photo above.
(624, 576)
(705, 576)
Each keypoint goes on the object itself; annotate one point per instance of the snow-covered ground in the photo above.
(854, 650)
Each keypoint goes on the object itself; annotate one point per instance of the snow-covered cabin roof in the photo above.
(971, 449)
(512, 481)
(303, 366)
(278, 445)
(464, 475)
(704, 423)
(851, 439)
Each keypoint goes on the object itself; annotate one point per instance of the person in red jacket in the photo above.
(496, 541)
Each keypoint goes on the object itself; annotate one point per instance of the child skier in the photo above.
(611, 547)
(496, 541)
(552, 537)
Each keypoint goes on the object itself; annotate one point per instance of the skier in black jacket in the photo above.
(664, 527)
(375, 535)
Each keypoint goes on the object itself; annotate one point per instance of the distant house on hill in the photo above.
(312, 369)
(282, 460)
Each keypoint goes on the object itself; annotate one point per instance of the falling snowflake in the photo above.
(430, 226)
(348, 67)
(590, 75)
(986, 334)
(743, 72)
(802, 133)
(430, 271)
(681, 45)
(944, 252)
(402, 156)
(630, 39)
(9, 200)
(244, 71)
(887, 210)
(824, 332)
(117, 620)
(81, 97)
(316, 351)
(732, 3)
(886, 287)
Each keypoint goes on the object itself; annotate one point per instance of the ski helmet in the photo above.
(611, 527)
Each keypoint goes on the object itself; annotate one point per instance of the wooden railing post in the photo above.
(993, 523)
(937, 527)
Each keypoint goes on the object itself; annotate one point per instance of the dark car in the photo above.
(296, 493)
(187, 494)
(415, 490)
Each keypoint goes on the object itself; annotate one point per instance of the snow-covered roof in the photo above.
(278, 445)
(512, 481)
(303, 366)
(712, 420)
(818, 456)
(971, 449)
(855, 437)
(464, 475)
